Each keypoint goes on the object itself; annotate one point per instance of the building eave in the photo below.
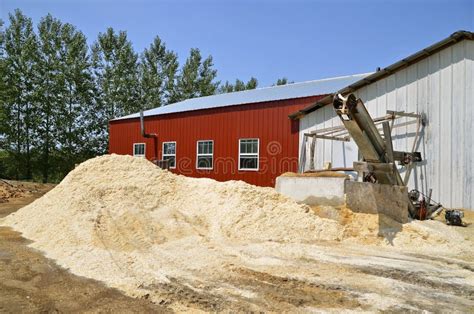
(395, 67)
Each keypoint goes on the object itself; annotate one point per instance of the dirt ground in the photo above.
(329, 277)
(29, 282)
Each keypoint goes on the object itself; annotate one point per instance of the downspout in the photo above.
(149, 135)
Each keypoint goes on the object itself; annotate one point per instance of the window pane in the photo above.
(248, 162)
(249, 146)
(171, 160)
(205, 147)
(139, 149)
(204, 162)
(254, 147)
(169, 148)
(243, 146)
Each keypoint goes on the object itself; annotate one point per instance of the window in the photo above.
(205, 152)
(169, 153)
(248, 154)
(139, 149)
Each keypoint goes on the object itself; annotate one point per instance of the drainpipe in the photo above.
(149, 135)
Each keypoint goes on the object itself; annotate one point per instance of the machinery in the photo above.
(427, 208)
(454, 217)
(378, 163)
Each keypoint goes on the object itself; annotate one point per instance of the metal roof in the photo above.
(290, 91)
(416, 57)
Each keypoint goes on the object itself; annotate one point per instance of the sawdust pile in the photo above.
(9, 191)
(122, 220)
(116, 215)
(325, 174)
(380, 229)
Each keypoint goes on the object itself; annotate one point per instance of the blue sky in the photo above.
(302, 40)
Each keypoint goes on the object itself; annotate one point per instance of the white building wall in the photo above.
(441, 86)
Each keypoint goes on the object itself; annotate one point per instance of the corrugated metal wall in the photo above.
(226, 125)
(441, 86)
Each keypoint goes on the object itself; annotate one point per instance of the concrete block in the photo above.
(364, 197)
(313, 190)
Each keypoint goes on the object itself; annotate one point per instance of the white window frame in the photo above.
(144, 150)
(163, 152)
(204, 155)
(250, 155)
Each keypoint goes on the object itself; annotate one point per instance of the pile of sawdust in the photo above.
(9, 191)
(382, 230)
(325, 174)
(126, 222)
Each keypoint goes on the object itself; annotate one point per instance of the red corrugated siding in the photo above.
(267, 121)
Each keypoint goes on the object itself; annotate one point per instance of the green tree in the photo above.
(226, 88)
(116, 71)
(252, 83)
(238, 86)
(115, 67)
(3, 86)
(158, 69)
(18, 116)
(50, 93)
(76, 95)
(196, 78)
(3, 102)
(281, 81)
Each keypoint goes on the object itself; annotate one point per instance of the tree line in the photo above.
(57, 93)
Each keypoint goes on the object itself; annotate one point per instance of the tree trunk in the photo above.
(28, 155)
(70, 159)
(18, 142)
(46, 153)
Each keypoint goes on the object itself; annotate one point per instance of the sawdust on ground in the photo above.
(326, 174)
(382, 230)
(146, 231)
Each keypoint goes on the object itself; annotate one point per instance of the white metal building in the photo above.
(436, 81)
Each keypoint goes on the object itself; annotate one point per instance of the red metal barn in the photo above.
(236, 136)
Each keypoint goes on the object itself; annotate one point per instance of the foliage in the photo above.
(238, 86)
(282, 81)
(158, 71)
(19, 121)
(116, 71)
(196, 78)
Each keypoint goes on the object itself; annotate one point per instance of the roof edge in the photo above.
(286, 86)
(220, 107)
(389, 70)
